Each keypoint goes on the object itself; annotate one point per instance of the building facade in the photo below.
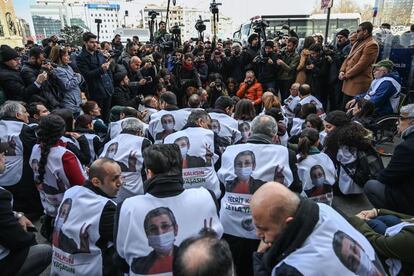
(10, 29)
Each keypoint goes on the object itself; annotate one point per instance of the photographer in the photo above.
(202, 67)
(216, 89)
(149, 73)
(131, 50)
(160, 35)
(216, 64)
(266, 67)
(234, 63)
(251, 51)
(288, 63)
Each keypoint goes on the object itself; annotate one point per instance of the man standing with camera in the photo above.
(95, 69)
(266, 67)
(160, 34)
(288, 62)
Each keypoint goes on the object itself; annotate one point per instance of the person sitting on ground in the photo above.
(93, 109)
(384, 91)
(393, 188)
(251, 89)
(392, 236)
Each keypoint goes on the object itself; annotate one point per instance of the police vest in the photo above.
(228, 129)
(74, 239)
(115, 128)
(55, 182)
(394, 99)
(90, 137)
(244, 168)
(192, 210)
(12, 147)
(347, 156)
(315, 171)
(198, 158)
(158, 129)
(4, 252)
(320, 254)
(126, 150)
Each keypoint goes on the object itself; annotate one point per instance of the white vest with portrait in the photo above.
(193, 210)
(115, 128)
(126, 150)
(90, 137)
(271, 164)
(229, 127)
(346, 156)
(156, 129)
(317, 257)
(12, 147)
(313, 162)
(55, 182)
(198, 159)
(84, 256)
(297, 126)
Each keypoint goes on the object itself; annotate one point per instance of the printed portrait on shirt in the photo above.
(353, 256)
(245, 131)
(161, 229)
(168, 124)
(189, 161)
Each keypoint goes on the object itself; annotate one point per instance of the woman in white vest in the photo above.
(244, 113)
(298, 123)
(55, 168)
(196, 144)
(115, 128)
(126, 149)
(344, 140)
(76, 143)
(83, 232)
(297, 234)
(84, 126)
(316, 170)
(315, 122)
(152, 226)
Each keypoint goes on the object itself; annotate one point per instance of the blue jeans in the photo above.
(381, 223)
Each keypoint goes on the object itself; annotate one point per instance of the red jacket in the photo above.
(252, 93)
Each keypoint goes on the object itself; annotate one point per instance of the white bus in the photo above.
(125, 33)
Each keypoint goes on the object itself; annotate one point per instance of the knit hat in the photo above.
(344, 32)
(384, 63)
(119, 76)
(337, 118)
(7, 53)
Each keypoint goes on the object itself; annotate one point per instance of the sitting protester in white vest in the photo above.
(168, 120)
(55, 168)
(83, 235)
(298, 123)
(126, 149)
(244, 168)
(306, 97)
(316, 170)
(290, 103)
(302, 237)
(151, 226)
(16, 142)
(226, 128)
(115, 128)
(196, 142)
(384, 91)
(84, 126)
(19, 252)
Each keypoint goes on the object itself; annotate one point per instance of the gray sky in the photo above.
(239, 10)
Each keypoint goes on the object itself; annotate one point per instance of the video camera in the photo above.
(214, 7)
(261, 59)
(260, 25)
(200, 26)
(153, 14)
(175, 30)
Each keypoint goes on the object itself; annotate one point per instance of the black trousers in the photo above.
(284, 86)
(242, 250)
(105, 105)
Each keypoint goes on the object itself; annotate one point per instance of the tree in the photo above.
(72, 35)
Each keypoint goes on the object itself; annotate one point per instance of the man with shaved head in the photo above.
(297, 234)
(84, 228)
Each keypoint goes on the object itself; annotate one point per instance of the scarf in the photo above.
(295, 234)
(163, 185)
(187, 67)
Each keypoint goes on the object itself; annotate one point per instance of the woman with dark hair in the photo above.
(282, 132)
(232, 87)
(304, 56)
(315, 122)
(186, 75)
(298, 123)
(55, 168)
(69, 82)
(93, 109)
(76, 143)
(363, 113)
(316, 170)
(344, 140)
(84, 126)
(244, 113)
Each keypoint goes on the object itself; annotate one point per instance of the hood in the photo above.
(395, 76)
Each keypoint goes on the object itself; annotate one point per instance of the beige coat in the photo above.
(358, 67)
(301, 70)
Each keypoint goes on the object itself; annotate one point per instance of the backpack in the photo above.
(366, 166)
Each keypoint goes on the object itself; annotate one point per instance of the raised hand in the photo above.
(132, 161)
(279, 176)
(84, 238)
(209, 155)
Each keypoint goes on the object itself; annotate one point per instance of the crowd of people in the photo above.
(204, 159)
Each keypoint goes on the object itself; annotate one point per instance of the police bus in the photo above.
(303, 25)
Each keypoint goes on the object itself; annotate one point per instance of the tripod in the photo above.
(215, 11)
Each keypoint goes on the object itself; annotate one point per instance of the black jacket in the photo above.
(12, 237)
(123, 96)
(99, 82)
(13, 85)
(398, 177)
(266, 72)
(26, 197)
(296, 185)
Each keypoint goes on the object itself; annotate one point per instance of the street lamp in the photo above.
(98, 22)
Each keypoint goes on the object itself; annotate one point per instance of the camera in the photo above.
(261, 59)
(153, 14)
(175, 30)
(148, 79)
(260, 25)
(200, 26)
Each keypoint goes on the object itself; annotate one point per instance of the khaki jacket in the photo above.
(358, 67)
